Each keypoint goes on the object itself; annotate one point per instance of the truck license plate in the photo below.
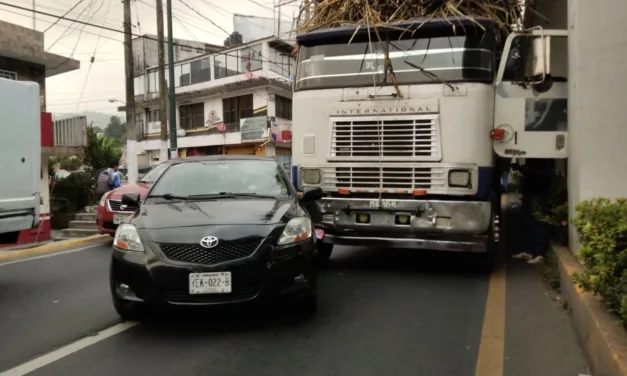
(210, 283)
(118, 218)
(385, 204)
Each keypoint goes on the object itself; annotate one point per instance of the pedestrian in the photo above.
(536, 187)
(114, 177)
(103, 184)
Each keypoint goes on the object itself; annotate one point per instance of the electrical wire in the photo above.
(93, 57)
(206, 18)
(70, 29)
(65, 14)
(116, 31)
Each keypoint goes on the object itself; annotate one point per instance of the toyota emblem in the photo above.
(209, 242)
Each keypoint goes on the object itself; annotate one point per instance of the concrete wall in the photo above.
(597, 50)
(27, 72)
(145, 52)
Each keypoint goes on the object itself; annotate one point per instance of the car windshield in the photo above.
(415, 59)
(261, 177)
(153, 174)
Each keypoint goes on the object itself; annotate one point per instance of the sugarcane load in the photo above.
(407, 112)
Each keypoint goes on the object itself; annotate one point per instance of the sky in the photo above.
(90, 89)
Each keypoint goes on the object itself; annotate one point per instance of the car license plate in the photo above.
(384, 204)
(319, 233)
(118, 218)
(210, 283)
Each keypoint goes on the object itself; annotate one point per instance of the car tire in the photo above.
(308, 305)
(324, 253)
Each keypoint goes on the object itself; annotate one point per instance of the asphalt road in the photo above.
(381, 312)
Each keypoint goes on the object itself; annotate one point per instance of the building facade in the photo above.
(23, 58)
(235, 101)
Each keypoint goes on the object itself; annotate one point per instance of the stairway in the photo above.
(84, 225)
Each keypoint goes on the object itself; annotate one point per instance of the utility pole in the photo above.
(173, 137)
(278, 33)
(131, 131)
(34, 14)
(163, 104)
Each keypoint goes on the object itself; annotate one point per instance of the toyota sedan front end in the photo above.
(213, 231)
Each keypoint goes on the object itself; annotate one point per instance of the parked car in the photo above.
(111, 211)
(215, 230)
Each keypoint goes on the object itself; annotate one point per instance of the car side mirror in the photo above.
(130, 199)
(312, 194)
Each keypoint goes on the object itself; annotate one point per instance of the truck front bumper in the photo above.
(458, 226)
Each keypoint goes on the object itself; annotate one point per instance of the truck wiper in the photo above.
(434, 77)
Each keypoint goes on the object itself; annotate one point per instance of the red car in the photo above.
(111, 212)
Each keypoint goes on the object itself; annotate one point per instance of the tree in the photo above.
(101, 152)
(115, 129)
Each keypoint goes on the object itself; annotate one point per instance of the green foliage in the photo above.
(115, 129)
(602, 227)
(72, 194)
(554, 210)
(101, 152)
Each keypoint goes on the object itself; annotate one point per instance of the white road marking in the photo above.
(52, 254)
(55, 355)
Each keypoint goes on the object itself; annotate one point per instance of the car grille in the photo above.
(194, 253)
(116, 206)
(408, 139)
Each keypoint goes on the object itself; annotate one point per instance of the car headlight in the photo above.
(127, 238)
(459, 178)
(103, 199)
(311, 176)
(297, 230)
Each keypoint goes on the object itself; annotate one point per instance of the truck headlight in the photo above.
(297, 230)
(311, 176)
(127, 238)
(459, 178)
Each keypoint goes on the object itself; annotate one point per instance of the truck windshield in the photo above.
(415, 60)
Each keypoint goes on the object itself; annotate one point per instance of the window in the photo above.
(153, 115)
(281, 63)
(139, 85)
(235, 109)
(231, 64)
(200, 71)
(185, 77)
(219, 66)
(192, 116)
(152, 82)
(139, 122)
(261, 177)
(154, 173)
(283, 107)
(8, 75)
(177, 74)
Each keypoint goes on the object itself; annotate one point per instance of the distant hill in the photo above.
(99, 119)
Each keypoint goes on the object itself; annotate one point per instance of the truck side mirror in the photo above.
(539, 64)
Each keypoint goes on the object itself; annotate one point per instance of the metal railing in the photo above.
(71, 132)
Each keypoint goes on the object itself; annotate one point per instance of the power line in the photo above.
(65, 14)
(201, 15)
(118, 31)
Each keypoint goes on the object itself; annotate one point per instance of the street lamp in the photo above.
(113, 100)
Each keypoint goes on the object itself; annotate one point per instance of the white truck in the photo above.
(418, 164)
(20, 158)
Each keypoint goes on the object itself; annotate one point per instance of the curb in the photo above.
(600, 334)
(56, 246)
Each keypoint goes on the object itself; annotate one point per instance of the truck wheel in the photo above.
(324, 253)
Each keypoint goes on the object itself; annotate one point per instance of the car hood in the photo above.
(140, 188)
(241, 211)
(177, 221)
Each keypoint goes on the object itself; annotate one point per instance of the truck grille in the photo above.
(385, 178)
(115, 205)
(194, 253)
(412, 138)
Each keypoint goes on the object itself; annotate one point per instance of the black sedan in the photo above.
(212, 231)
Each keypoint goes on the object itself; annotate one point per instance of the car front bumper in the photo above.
(458, 226)
(265, 275)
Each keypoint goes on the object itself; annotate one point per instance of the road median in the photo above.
(601, 335)
(54, 246)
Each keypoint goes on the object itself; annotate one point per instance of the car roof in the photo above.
(211, 158)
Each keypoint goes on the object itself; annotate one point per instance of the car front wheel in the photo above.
(324, 253)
